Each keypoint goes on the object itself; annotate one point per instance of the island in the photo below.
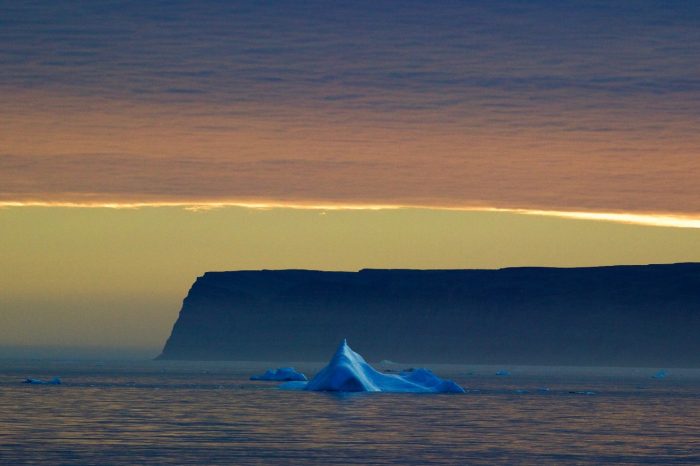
(638, 315)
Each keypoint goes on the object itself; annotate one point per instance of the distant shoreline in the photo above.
(632, 316)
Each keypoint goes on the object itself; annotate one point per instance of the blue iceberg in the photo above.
(54, 381)
(282, 374)
(662, 374)
(349, 372)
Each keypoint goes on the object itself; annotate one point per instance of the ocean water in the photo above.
(210, 413)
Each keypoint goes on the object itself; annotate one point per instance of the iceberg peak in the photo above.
(343, 349)
(348, 371)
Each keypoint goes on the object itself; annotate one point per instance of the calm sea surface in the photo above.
(209, 413)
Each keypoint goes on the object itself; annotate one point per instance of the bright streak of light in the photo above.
(648, 219)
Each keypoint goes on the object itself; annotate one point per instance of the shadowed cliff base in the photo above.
(601, 316)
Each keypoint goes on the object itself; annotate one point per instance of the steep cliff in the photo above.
(622, 315)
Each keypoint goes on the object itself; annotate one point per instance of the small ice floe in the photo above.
(543, 389)
(347, 371)
(503, 373)
(521, 392)
(282, 374)
(583, 392)
(389, 366)
(662, 374)
(54, 381)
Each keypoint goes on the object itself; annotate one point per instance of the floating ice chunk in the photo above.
(54, 381)
(347, 371)
(662, 374)
(388, 366)
(293, 385)
(503, 373)
(282, 374)
(426, 378)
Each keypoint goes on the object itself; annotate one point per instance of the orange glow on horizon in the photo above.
(657, 219)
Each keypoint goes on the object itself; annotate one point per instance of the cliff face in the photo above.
(623, 315)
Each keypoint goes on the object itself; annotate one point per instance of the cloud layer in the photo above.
(570, 106)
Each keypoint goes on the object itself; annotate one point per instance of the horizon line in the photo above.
(657, 219)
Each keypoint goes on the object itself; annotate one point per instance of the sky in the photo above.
(144, 143)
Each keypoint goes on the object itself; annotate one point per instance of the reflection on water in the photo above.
(211, 414)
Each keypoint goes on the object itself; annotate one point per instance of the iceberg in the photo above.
(282, 374)
(660, 375)
(54, 381)
(347, 371)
